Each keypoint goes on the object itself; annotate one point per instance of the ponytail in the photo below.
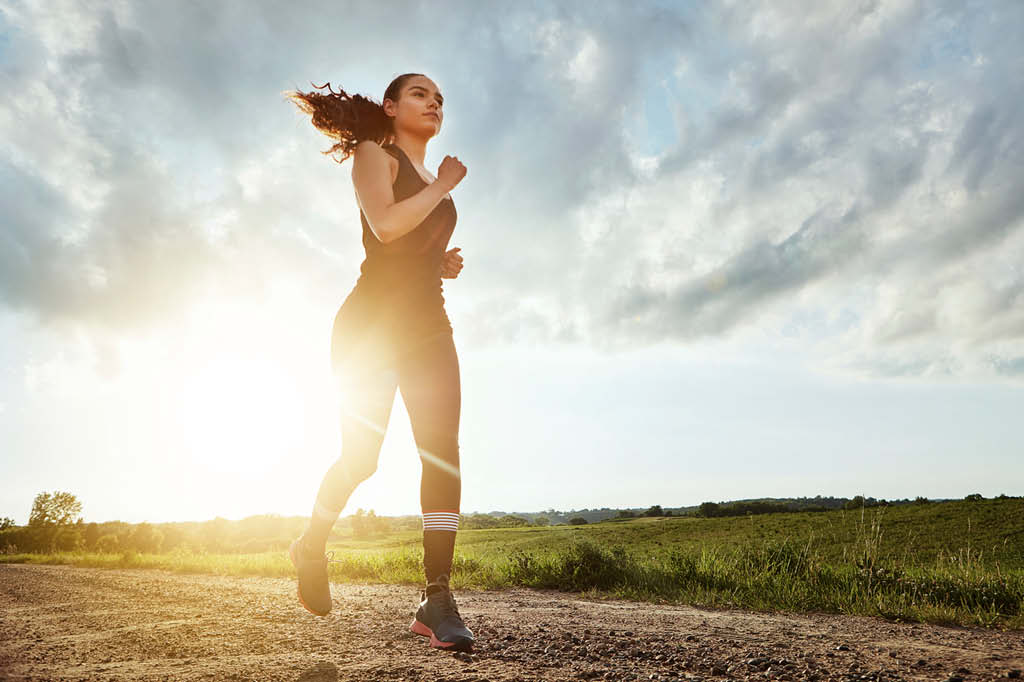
(349, 119)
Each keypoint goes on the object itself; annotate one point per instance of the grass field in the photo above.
(958, 562)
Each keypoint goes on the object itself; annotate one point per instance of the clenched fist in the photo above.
(451, 264)
(450, 172)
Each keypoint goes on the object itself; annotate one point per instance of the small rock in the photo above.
(954, 678)
(1013, 673)
(842, 647)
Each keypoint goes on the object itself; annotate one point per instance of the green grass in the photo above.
(956, 562)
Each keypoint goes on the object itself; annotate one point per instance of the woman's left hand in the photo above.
(451, 264)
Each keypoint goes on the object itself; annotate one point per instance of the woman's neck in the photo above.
(414, 148)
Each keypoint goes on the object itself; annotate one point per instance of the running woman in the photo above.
(392, 332)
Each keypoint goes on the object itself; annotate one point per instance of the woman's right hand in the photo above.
(450, 172)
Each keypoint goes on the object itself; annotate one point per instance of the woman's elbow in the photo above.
(381, 229)
(384, 233)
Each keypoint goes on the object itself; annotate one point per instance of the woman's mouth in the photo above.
(434, 115)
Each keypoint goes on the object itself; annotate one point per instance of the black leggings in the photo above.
(427, 374)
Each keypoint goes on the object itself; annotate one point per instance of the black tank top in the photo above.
(397, 300)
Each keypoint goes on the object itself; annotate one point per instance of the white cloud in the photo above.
(150, 159)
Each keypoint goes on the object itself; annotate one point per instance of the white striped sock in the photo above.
(441, 520)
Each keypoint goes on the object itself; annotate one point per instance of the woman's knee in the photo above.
(360, 452)
(350, 471)
(440, 455)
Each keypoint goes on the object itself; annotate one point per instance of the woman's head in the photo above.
(409, 103)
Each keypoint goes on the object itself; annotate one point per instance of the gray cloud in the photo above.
(904, 172)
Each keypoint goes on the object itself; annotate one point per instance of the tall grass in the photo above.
(839, 562)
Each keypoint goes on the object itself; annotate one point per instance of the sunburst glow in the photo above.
(239, 413)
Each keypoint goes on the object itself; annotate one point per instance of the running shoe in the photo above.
(314, 590)
(438, 618)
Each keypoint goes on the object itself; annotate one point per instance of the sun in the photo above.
(255, 415)
(239, 413)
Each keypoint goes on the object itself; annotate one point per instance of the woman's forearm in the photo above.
(402, 217)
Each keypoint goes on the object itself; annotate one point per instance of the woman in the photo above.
(392, 332)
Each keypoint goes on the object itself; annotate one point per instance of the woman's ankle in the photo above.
(311, 548)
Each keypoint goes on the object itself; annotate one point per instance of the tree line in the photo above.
(55, 524)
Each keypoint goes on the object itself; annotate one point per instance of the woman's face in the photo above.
(419, 108)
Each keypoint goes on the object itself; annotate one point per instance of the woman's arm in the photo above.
(371, 176)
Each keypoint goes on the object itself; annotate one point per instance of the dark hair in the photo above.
(350, 119)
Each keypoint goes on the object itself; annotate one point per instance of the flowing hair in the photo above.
(349, 119)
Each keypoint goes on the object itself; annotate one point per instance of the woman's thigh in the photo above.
(428, 377)
(366, 396)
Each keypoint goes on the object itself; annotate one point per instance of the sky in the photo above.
(713, 251)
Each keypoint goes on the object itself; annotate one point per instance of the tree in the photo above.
(541, 521)
(654, 510)
(708, 509)
(107, 543)
(855, 503)
(51, 519)
(577, 521)
(91, 535)
(68, 538)
(213, 535)
(58, 508)
(367, 524)
(146, 538)
(6, 523)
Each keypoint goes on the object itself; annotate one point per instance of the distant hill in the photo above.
(754, 505)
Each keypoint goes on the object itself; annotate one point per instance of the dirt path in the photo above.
(61, 623)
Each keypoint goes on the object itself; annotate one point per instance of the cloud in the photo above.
(856, 157)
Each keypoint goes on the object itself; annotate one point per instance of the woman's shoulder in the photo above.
(371, 149)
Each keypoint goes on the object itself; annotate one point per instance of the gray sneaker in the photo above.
(438, 618)
(314, 590)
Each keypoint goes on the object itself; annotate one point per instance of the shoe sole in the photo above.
(298, 592)
(461, 644)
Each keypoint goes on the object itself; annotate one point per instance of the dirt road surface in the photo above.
(63, 623)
